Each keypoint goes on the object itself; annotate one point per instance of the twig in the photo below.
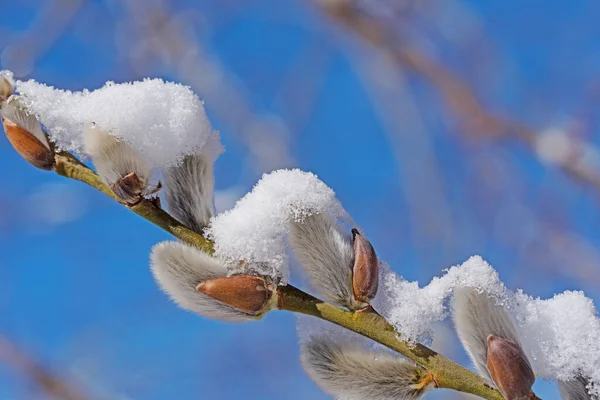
(457, 94)
(447, 373)
(43, 377)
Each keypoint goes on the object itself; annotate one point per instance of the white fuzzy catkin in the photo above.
(112, 158)
(189, 188)
(477, 315)
(15, 111)
(256, 228)
(348, 371)
(326, 254)
(178, 268)
(575, 389)
(163, 121)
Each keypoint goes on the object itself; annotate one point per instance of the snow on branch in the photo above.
(163, 121)
(154, 124)
(560, 335)
(256, 228)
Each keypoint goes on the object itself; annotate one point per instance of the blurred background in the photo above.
(447, 129)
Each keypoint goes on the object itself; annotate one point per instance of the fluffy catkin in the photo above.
(15, 111)
(575, 389)
(476, 316)
(190, 190)
(348, 371)
(113, 159)
(179, 268)
(327, 257)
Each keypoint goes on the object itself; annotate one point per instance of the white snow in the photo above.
(255, 229)
(163, 121)
(561, 335)
(166, 121)
(413, 310)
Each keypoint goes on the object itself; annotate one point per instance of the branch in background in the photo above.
(455, 92)
(446, 373)
(160, 32)
(48, 26)
(52, 384)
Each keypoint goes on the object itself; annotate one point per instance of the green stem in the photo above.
(447, 373)
(69, 166)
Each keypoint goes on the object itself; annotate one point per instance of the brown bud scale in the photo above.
(365, 273)
(28, 146)
(129, 188)
(248, 294)
(509, 368)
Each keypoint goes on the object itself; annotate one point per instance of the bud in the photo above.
(25, 133)
(178, 268)
(122, 168)
(248, 294)
(365, 278)
(129, 188)
(477, 315)
(28, 146)
(509, 368)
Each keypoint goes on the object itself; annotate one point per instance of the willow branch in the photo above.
(455, 92)
(42, 376)
(446, 373)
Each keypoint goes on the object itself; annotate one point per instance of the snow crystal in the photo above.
(561, 335)
(255, 229)
(413, 310)
(164, 121)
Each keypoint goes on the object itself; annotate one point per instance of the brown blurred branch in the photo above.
(48, 381)
(164, 34)
(49, 25)
(455, 92)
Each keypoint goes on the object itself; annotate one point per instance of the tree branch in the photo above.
(47, 380)
(455, 92)
(446, 373)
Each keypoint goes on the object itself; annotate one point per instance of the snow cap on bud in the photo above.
(25, 133)
(189, 187)
(576, 389)
(365, 275)
(7, 85)
(477, 315)
(509, 368)
(119, 166)
(348, 371)
(179, 268)
(249, 294)
(327, 256)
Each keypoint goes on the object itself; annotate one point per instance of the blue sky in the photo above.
(76, 292)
